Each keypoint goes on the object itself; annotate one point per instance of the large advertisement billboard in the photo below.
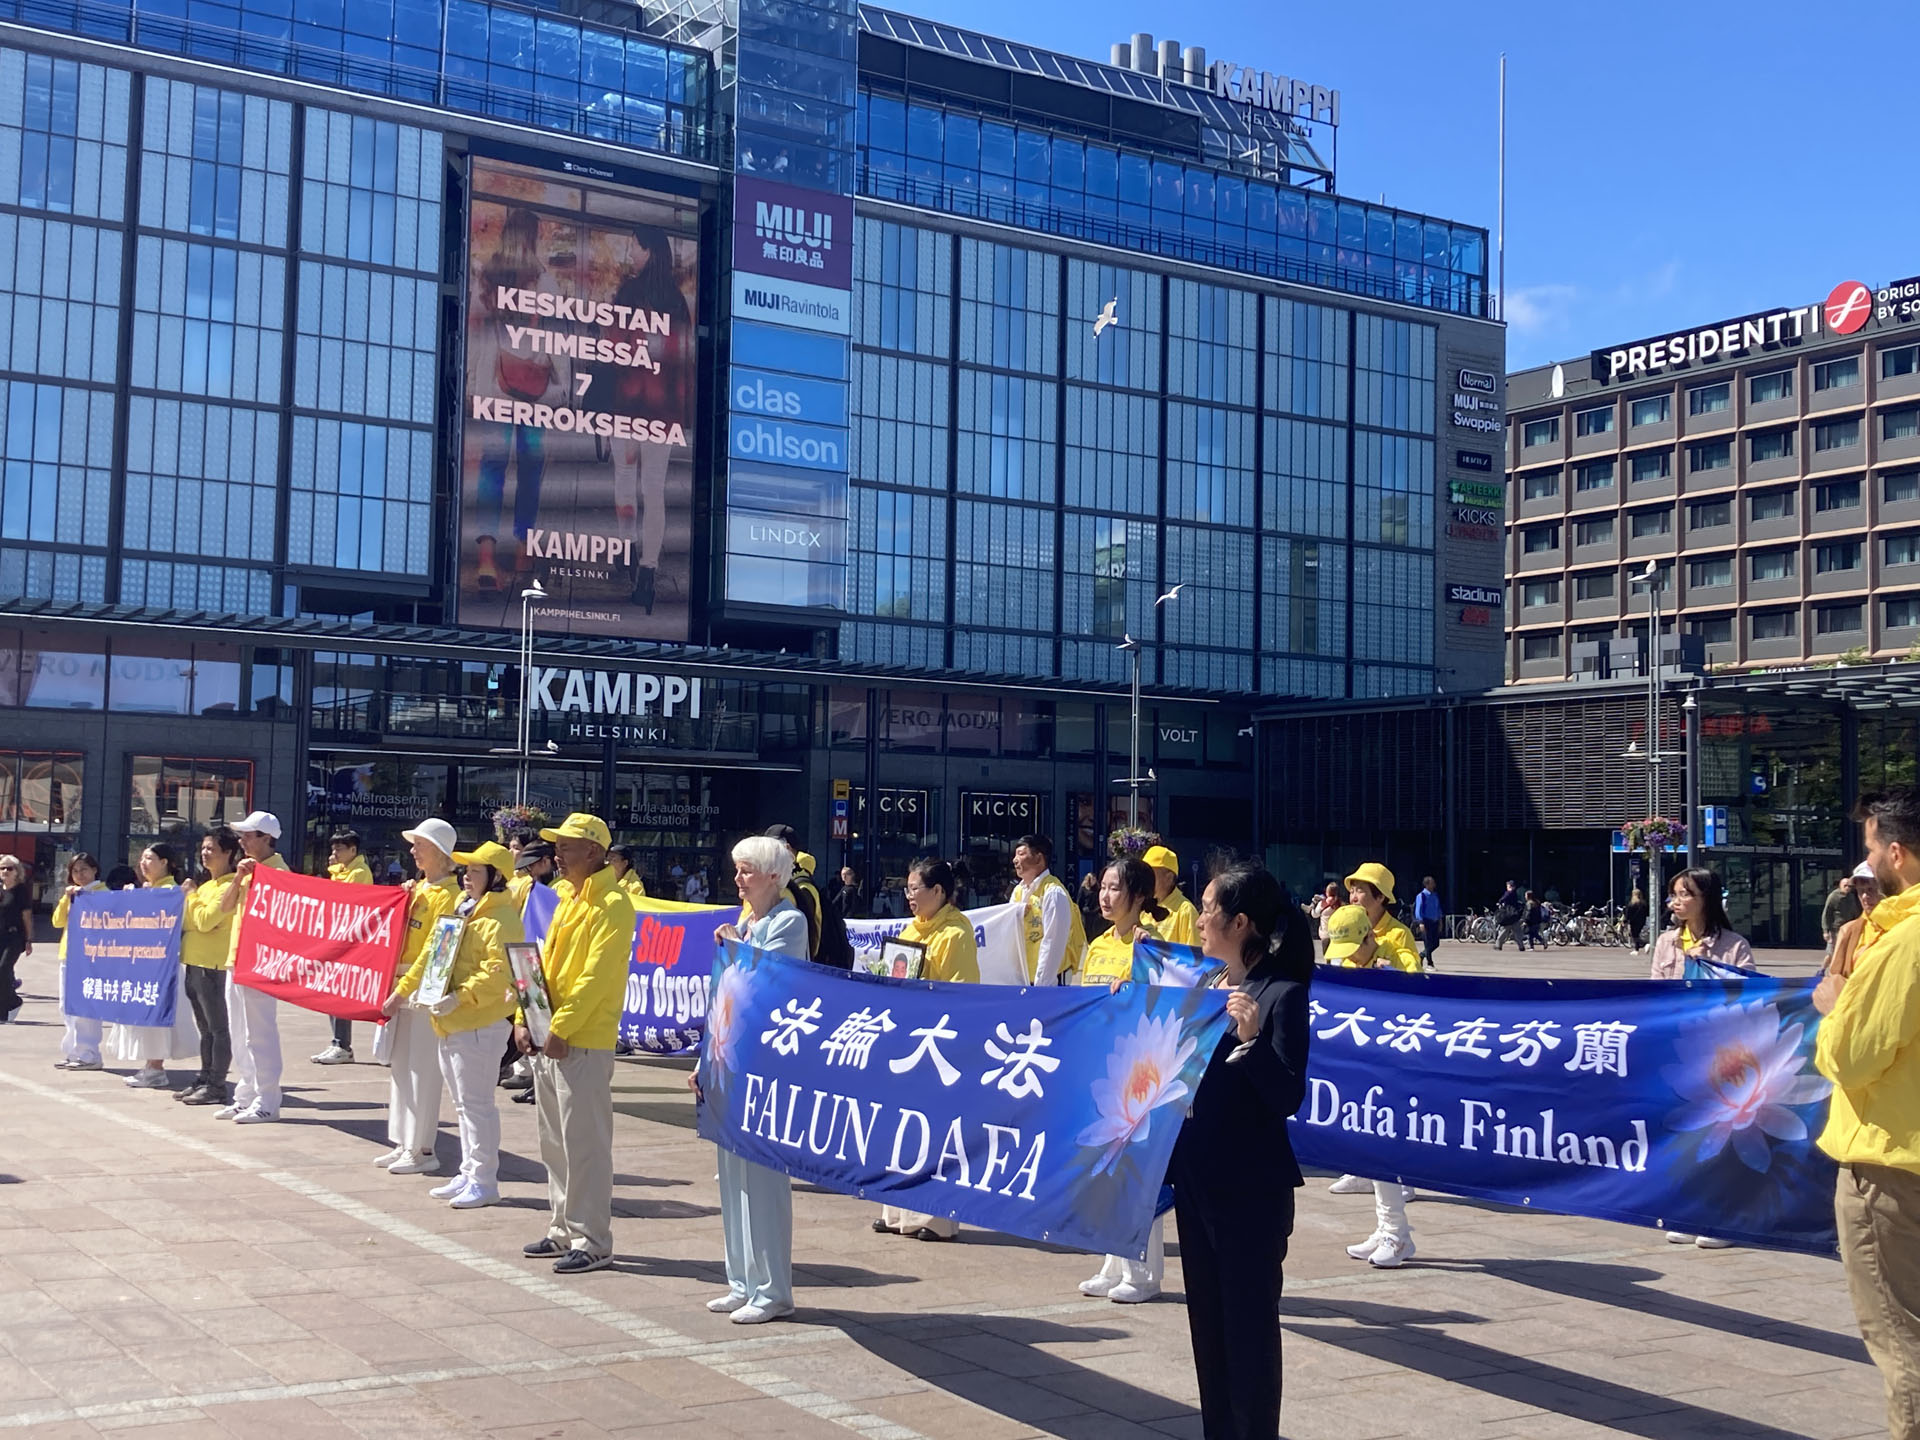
(581, 386)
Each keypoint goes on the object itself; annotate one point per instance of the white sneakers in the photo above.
(726, 1304)
(447, 1191)
(1128, 1293)
(1100, 1285)
(425, 1163)
(146, 1078)
(255, 1115)
(392, 1157)
(1351, 1185)
(475, 1197)
(1383, 1252)
(760, 1314)
(333, 1055)
(1703, 1242)
(227, 1112)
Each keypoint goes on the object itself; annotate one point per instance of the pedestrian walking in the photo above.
(253, 1016)
(16, 931)
(950, 954)
(206, 949)
(1234, 1159)
(1509, 913)
(756, 1203)
(1128, 901)
(1636, 917)
(149, 1047)
(1537, 915)
(344, 867)
(1427, 915)
(585, 959)
(1841, 907)
(472, 1018)
(1869, 1047)
(80, 1043)
(414, 1084)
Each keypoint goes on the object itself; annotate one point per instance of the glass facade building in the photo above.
(922, 370)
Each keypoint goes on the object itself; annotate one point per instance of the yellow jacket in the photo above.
(1110, 958)
(204, 925)
(354, 872)
(428, 902)
(952, 953)
(1182, 925)
(1394, 944)
(61, 909)
(635, 887)
(274, 861)
(480, 978)
(1036, 927)
(588, 951)
(1869, 1047)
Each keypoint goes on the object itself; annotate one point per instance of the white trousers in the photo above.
(470, 1064)
(908, 1221)
(1146, 1274)
(82, 1038)
(1390, 1210)
(756, 1215)
(413, 1092)
(253, 1017)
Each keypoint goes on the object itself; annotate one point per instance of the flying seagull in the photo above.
(1106, 316)
(1173, 594)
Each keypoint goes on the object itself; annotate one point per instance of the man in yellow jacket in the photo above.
(1182, 925)
(585, 959)
(345, 866)
(1869, 1047)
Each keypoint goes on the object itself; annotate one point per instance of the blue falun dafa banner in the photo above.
(1691, 1105)
(1044, 1111)
(123, 956)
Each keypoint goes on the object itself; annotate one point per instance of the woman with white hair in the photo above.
(756, 1204)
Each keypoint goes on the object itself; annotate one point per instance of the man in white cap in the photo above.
(1846, 940)
(253, 1015)
(415, 1086)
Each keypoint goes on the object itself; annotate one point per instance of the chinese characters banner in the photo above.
(1043, 1111)
(123, 956)
(1691, 1105)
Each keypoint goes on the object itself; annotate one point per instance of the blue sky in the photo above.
(1667, 164)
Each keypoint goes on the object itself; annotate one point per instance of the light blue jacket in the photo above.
(783, 930)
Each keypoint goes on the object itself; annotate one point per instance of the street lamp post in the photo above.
(1132, 647)
(1692, 709)
(1650, 577)
(533, 592)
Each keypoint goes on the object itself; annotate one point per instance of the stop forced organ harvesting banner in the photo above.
(319, 944)
(578, 430)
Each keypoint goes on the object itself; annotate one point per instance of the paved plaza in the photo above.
(165, 1273)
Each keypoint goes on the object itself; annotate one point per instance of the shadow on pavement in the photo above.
(1396, 1336)
(1040, 1389)
(1634, 1288)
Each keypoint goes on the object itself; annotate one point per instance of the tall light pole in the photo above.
(1132, 647)
(1692, 709)
(533, 592)
(1650, 577)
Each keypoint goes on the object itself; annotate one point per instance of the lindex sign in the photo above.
(1483, 493)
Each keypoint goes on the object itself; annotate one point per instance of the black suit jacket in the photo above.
(1235, 1145)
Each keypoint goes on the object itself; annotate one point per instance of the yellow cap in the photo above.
(579, 826)
(803, 862)
(1347, 930)
(1158, 857)
(1376, 875)
(497, 857)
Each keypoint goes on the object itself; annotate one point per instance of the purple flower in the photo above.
(1741, 1074)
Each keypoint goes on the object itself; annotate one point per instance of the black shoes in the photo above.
(579, 1262)
(543, 1248)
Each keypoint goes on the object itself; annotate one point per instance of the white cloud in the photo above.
(1535, 309)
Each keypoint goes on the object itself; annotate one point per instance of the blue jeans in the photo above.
(529, 449)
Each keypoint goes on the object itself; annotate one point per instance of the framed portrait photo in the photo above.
(443, 945)
(530, 985)
(901, 959)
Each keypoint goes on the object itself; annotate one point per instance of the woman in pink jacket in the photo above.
(1700, 930)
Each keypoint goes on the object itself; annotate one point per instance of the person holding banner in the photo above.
(1126, 902)
(620, 857)
(1233, 1170)
(151, 1046)
(253, 1016)
(756, 1204)
(1055, 937)
(1182, 922)
(80, 1044)
(951, 954)
(1869, 1047)
(413, 1089)
(1360, 936)
(344, 867)
(473, 1019)
(585, 960)
(206, 947)
(1702, 931)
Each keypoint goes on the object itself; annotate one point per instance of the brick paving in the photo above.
(164, 1273)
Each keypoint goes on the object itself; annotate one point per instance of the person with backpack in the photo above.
(1508, 911)
(827, 942)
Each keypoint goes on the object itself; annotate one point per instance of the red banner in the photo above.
(319, 944)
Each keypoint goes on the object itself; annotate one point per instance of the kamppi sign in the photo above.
(1849, 307)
